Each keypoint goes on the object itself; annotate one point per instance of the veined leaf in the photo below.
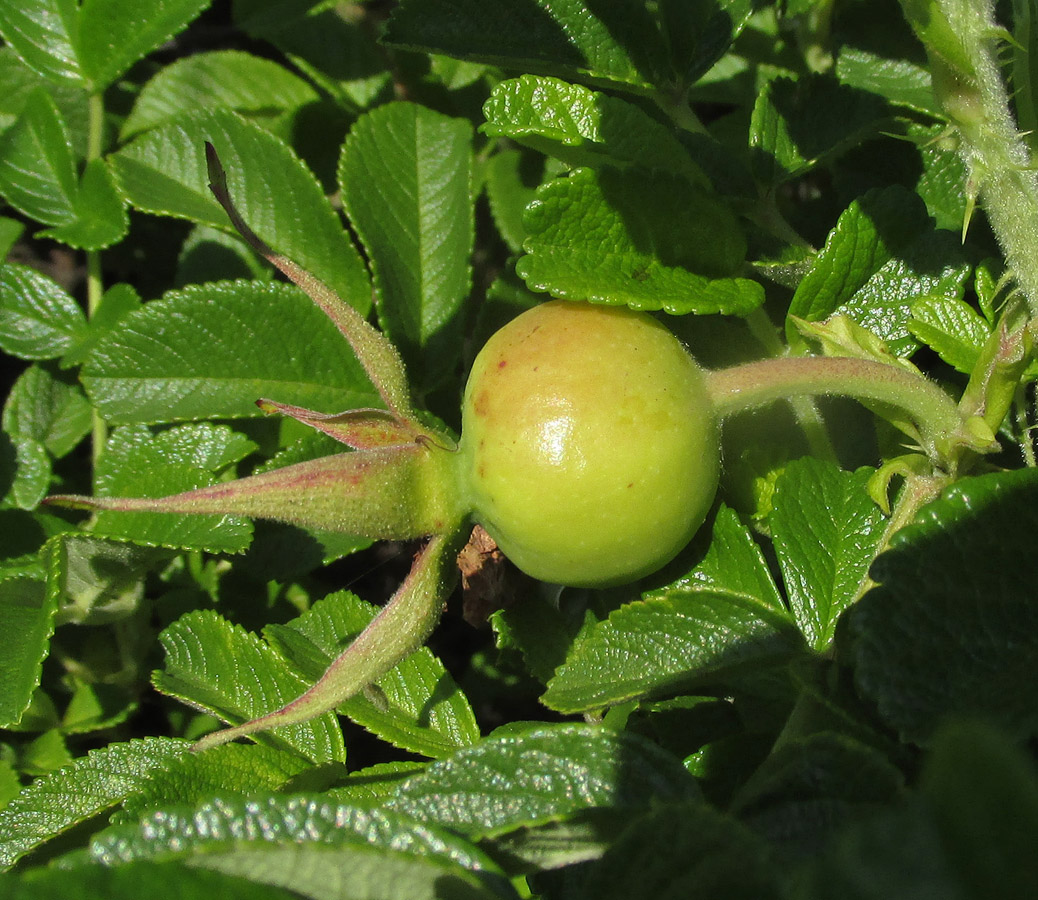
(37, 168)
(584, 127)
(27, 620)
(424, 712)
(733, 563)
(797, 124)
(249, 84)
(406, 175)
(113, 35)
(233, 769)
(540, 776)
(88, 787)
(952, 628)
(38, 320)
(49, 408)
(175, 359)
(42, 33)
(220, 668)
(164, 172)
(880, 258)
(952, 328)
(615, 41)
(133, 881)
(648, 241)
(667, 645)
(237, 829)
(139, 463)
(826, 530)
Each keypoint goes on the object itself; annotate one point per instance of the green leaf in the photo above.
(112, 35)
(42, 33)
(645, 240)
(421, 709)
(329, 45)
(826, 530)
(116, 303)
(984, 793)
(541, 776)
(37, 167)
(88, 787)
(213, 350)
(511, 177)
(139, 463)
(221, 669)
(669, 643)
(99, 217)
(10, 231)
(131, 882)
(613, 42)
(25, 470)
(405, 174)
(230, 770)
(880, 258)
(20, 82)
(898, 81)
(952, 328)
(699, 33)
(38, 320)
(27, 620)
(796, 125)
(95, 580)
(233, 831)
(952, 627)
(584, 127)
(370, 787)
(689, 850)
(732, 563)
(48, 407)
(164, 172)
(256, 87)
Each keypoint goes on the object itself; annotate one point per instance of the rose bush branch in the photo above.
(962, 40)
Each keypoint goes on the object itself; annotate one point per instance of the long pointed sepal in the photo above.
(376, 353)
(394, 493)
(394, 634)
(362, 429)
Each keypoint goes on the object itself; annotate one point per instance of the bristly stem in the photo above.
(962, 41)
(936, 416)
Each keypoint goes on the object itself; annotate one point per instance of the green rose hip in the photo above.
(590, 448)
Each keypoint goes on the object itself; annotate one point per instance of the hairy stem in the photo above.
(750, 385)
(962, 41)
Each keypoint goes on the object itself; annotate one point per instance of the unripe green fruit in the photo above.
(589, 450)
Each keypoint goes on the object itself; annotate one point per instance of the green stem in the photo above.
(962, 41)
(755, 384)
(805, 410)
(95, 280)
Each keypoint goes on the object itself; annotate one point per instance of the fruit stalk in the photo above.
(939, 426)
